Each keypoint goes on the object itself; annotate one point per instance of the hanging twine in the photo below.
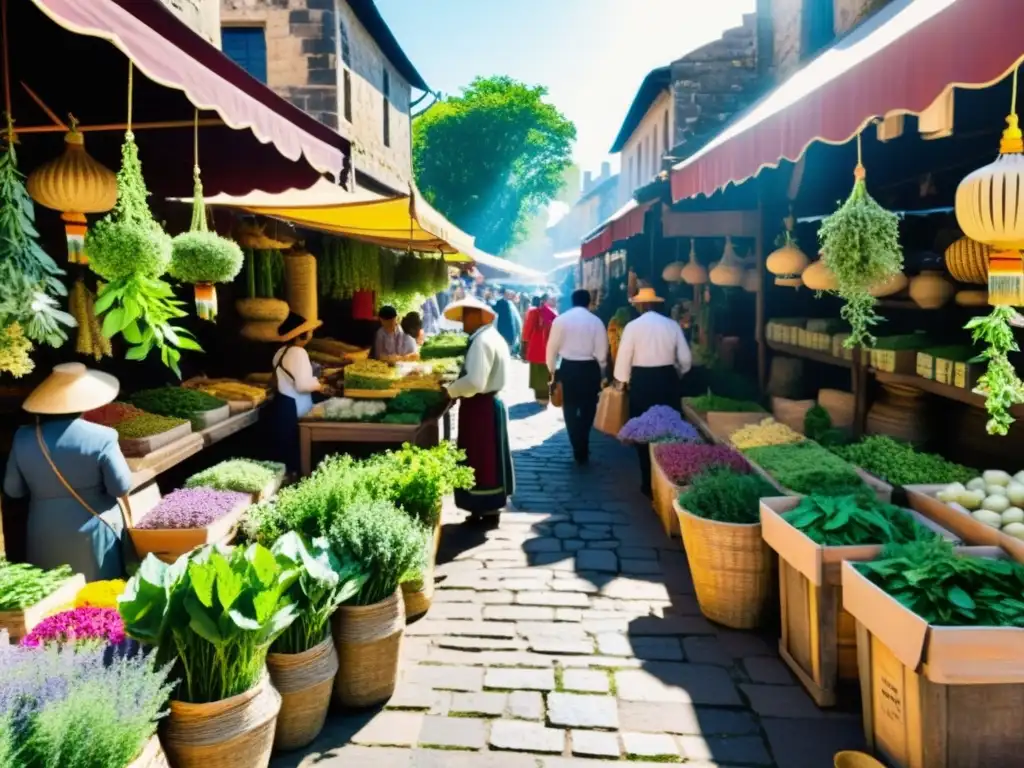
(198, 208)
(860, 173)
(131, 83)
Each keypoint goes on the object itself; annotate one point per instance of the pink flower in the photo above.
(80, 624)
(681, 462)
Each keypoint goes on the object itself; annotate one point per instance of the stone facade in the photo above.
(201, 15)
(311, 44)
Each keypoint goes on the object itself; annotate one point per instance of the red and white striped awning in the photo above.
(625, 223)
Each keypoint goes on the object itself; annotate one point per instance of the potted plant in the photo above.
(674, 465)
(721, 530)
(303, 661)
(213, 616)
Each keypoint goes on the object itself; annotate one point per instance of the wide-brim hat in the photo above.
(454, 310)
(646, 296)
(295, 325)
(72, 388)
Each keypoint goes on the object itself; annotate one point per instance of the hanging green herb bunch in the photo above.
(860, 244)
(130, 251)
(1000, 384)
(29, 279)
(347, 266)
(264, 273)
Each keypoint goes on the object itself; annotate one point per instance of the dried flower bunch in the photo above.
(681, 462)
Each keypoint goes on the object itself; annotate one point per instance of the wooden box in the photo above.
(205, 419)
(802, 338)
(143, 446)
(170, 544)
(925, 365)
(818, 641)
(663, 493)
(152, 755)
(894, 360)
(722, 424)
(936, 697)
(966, 375)
(945, 370)
(19, 623)
(955, 518)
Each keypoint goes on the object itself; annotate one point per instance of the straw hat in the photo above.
(646, 296)
(295, 325)
(454, 310)
(72, 388)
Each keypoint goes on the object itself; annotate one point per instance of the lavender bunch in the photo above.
(192, 508)
(658, 424)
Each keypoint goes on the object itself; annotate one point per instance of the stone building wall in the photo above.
(201, 15)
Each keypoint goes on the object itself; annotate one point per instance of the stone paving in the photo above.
(569, 636)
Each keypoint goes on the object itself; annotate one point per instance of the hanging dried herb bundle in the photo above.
(999, 384)
(860, 245)
(347, 266)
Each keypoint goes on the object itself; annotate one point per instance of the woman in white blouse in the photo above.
(295, 383)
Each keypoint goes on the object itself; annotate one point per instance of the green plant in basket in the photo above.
(324, 583)
(213, 614)
(726, 496)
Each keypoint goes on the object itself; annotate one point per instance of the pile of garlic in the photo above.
(995, 499)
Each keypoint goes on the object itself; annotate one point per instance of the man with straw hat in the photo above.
(483, 418)
(73, 473)
(652, 355)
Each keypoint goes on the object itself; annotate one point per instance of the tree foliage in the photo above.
(492, 157)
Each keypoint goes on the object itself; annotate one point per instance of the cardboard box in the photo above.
(818, 641)
(722, 424)
(966, 375)
(894, 360)
(936, 697)
(955, 518)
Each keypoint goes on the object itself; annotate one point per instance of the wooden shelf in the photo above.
(933, 387)
(816, 355)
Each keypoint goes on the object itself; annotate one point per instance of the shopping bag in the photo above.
(556, 394)
(612, 411)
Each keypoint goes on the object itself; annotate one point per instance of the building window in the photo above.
(639, 164)
(817, 27)
(665, 134)
(387, 109)
(345, 54)
(346, 79)
(247, 47)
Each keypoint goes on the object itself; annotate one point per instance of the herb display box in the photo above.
(663, 495)
(19, 623)
(966, 375)
(925, 365)
(205, 419)
(136, 447)
(721, 424)
(959, 520)
(932, 696)
(168, 544)
(894, 360)
(818, 641)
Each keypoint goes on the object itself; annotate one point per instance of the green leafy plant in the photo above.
(712, 402)
(860, 243)
(447, 344)
(175, 401)
(726, 496)
(346, 266)
(14, 351)
(242, 475)
(901, 464)
(1000, 384)
(324, 583)
(818, 427)
(947, 589)
(417, 402)
(838, 521)
(23, 585)
(808, 468)
(214, 614)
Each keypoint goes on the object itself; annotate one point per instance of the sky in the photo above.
(591, 54)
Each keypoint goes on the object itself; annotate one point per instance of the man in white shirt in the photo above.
(483, 418)
(578, 338)
(652, 355)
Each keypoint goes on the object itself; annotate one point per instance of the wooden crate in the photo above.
(925, 365)
(722, 424)
(966, 375)
(894, 360)
(137, 447)
(945, 370)
(663, 493)
(170, 544)
(19, 623)
(958, 520)
(936, 697)
(818, 642)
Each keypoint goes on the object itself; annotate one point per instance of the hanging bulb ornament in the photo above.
(787, 260)
(693, 273)
(818, 277)
(728, 273)
(670, 274)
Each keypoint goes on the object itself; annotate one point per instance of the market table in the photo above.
(427, 433)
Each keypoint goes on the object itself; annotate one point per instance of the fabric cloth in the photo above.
(537, 331)
(60, 529)
(649, 387)
(483, 435)
(282, 431)
(577, 335)
(652, 341)
(539, 381)
(581, 387)
(486, 366)
(293, 373)
(509, 322)
(396, 344)
(430, 312)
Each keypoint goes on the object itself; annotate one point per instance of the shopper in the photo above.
(578, 339)
(412, 326)
(509, 322)
(536, 330)
(73, 473)
(483, 418)
(652, 355)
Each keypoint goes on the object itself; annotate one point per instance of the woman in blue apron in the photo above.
(295, 384)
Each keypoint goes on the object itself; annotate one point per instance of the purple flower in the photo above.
(656, 425)
(682, 462)
(192, 508)
(80, 624)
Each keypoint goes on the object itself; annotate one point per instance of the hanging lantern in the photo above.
(693, 273)
(670, 274)
(728, 273)
(892, 285)
(990, 209)
(75, 185)
(788, 260)
(819, 277)
(752, 281)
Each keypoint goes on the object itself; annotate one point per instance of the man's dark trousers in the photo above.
(581, 386)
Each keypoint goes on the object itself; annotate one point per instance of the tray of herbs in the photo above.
(712, 402)
(348, 409)
(188, 518)
(141, 435)
(201, 409)
(419, 402)
(902, 464)
(658, 424)
(112, 414)
(259, 479)
(806, 467)
(29, 594)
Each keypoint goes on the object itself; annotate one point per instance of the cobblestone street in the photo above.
(570, 633)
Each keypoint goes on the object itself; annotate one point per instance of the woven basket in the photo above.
(731, 567)
(305, 681)
(300, 284)
(264, 330)
(967, 261)
(663, 493)
(232, 733)
(152, 756)
(262, 310)
(418, 596)
(368, 640)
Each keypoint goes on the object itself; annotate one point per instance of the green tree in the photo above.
(492, 157)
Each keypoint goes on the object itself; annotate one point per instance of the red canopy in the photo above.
(899, 61)
(621, 225)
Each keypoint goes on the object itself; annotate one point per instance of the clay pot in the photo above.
(931, 290)
(971, 298)
(893, 285)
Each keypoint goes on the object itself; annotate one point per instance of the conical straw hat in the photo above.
(453, 311)
(72, 388)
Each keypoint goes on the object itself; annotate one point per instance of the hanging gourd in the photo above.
(75, 185)
(693, 273)
(818, 277)
(787, 261)
(201, 257)
(671, 272)
(728, 272)
(860, 244)
(990, 209)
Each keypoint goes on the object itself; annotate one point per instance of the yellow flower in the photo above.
(100, 594)
(768, 432)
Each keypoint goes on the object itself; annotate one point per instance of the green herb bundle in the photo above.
(901, 464)
(214, 614)
(175, 401)
(324, 583)
(23, 585)
(446, 344)
(417, 402)
(711, 402)
(947, 589)
(264, 273)
(347, 266)
(726, 496)
(363, 381)
(839, 521)
(808, 468)
(1000, 383)
(818, 427)
(242, 475)
(401, 418)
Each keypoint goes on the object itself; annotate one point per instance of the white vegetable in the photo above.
(1015, 493)
(977, 484)
(987, 517)
(995, 477)
(995, 490)
(1019, 477)
(1015, 529)
(1012, 515)
(996, 503)
(951, 492)
(972, 499)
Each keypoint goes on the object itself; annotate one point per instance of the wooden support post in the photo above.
(759, 319)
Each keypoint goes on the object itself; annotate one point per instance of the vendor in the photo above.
(73, 473)
(483, 418)
(412, 326)
(391, 342)
(295, 384)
